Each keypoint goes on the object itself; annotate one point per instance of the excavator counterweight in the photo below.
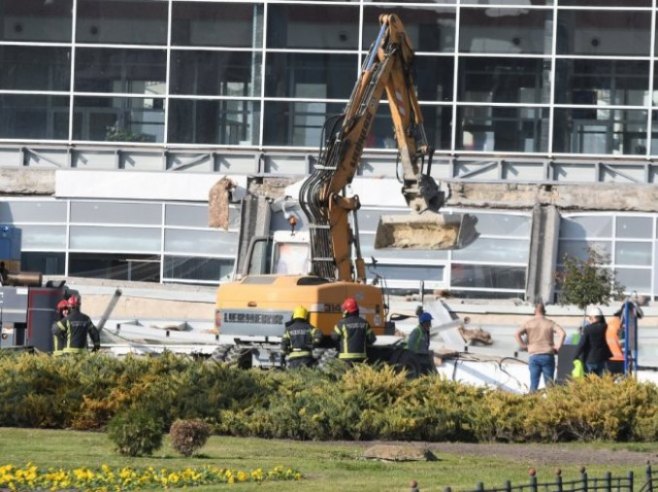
(429, 230)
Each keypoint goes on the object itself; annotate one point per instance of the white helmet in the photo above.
(594, 311)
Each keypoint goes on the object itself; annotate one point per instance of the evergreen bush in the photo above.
(135, 432)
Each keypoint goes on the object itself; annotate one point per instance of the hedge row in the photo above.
(361, 403)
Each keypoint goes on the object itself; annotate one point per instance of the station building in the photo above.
(132, 109)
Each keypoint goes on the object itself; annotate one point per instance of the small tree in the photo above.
(585, 282)
(188, 436)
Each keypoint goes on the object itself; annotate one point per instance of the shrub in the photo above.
(135, 432)
(188, 436)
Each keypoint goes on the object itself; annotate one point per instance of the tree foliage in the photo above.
(585, 282)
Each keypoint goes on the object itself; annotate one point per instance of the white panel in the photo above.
(11, 157)
(138, 185)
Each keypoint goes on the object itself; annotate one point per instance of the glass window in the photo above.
(195, 216)
(193, 268)
(395, 255)
(32, 211)
(505, 30)
(605, 3)
(115, 238)
(36, 20)
(201, 242)
(34, 117)
(602, 32)
(217, 24)
(122, 21)
(215, 73)
(116, 213)
(580, 249)
(31, 68)
(494, 250)
(45, 262)
(634, 279)
(600, 131)
(502, 80)
(297, 123)
(487, 276)
(310, 26)
(433, 76)
(580, 227)
(224, 122)
(601, 82)
(634, 227)
(486, 128)
(317, 76)
(633, 253)
(119, 119)
(429, 29)
(44, 237)
(503, 225)
(133, 267)
(416, 273)
(120, 70)
(508, 2)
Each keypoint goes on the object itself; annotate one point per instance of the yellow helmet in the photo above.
(300, 312)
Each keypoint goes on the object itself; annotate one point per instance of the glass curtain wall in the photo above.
(541, 77)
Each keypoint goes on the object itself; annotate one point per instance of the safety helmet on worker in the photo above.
(300, 312)
(62, 305)
(350, 306)
(74, 302)
(425, 317)
(594, 312)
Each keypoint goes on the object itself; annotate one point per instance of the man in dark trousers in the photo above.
(419, 343)
(352, 334)
(593, 349)
(59, 337)
(76, 327)
(299, 339)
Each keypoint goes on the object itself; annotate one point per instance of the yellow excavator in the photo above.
(306, 251)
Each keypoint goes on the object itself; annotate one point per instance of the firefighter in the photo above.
(59, 337)
(352, 334)
(419, 343)
(299, 339)
(76, 327)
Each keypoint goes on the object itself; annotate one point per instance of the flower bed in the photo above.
(31, 477)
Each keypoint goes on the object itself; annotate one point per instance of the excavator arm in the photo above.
(386, 69)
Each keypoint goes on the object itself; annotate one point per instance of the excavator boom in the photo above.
(386, 69)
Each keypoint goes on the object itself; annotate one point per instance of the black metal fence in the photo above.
(607, 483)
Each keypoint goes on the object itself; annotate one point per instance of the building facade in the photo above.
(529, 91)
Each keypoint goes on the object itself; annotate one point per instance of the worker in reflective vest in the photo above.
(299, 339)
(77, 327)
(59, 337)
(352, 334)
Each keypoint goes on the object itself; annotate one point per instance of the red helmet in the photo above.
(74, 302)
(62, 305)
(350, 306)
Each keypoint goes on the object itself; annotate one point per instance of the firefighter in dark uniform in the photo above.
(299, 339)
(76, 327)
(352, 334)
(59, 337)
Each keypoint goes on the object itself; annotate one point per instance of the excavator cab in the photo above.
(428, 230)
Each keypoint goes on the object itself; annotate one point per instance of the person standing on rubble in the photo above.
(352, 334)
(419, 343)
(59, 337)
(299, 339)
(76, 327)
(542, 338)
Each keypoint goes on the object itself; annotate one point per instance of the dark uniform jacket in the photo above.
(300, 338)
(593, 348)
(76, 327)
(59, 339)
(353, 334)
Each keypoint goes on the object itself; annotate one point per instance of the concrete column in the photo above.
(540, 284)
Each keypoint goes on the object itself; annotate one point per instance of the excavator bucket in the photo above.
(428, 230)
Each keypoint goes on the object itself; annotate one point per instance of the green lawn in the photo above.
(326, 466)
